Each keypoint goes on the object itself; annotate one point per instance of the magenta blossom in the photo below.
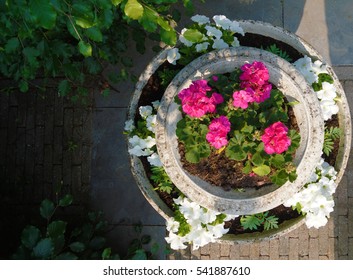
(217, 132)
(254, 74)
(275, 138)
(195, 102)
(242, 98)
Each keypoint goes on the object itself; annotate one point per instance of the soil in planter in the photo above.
(220, 171)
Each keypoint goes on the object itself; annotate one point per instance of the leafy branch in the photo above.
(331, 134)
(253, 222)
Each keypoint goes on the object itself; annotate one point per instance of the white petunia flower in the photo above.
(145, 111)
(151, 123)
(303, 63)
(329, 108)
(136, 151)
(328, 92)
(173, 55)
(316, 221)
(149, 142)
(172, 225)
(156, 104)
(129, 125)
(208, 216)
(154, 160)
(137, 141)
(200, 19)
(202, 46)
(176, 241)
(200, 238)
(318, 67)
(309, 76)
(235, 42)
(222, 21)
(235, 27)
(219, 44)
(183, 39)
(218, 230)
(213, 32)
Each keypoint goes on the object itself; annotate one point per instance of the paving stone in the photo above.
(342, 198)
(20, 146)
(205, 250)
(274, 249)
(284, 246)
(195, 254)
(244, 250)
(331, 249)
(313, 233)
(350, 248)
(342, 236)
(255, 250)
(48, 162)
(4, 110)
(49, 125)
(58, 145)
(293, 248)
(225, 250)
(303, 242)
(313, 248)
(58, 111)
(234, 252)
(215, 251)
(265, 248)
(350, 216)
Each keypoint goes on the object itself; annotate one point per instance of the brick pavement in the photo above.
(45, 143)
(334, 241)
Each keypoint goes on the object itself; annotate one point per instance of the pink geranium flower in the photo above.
(254, 74)
(275, 138)
(195, 102)
(242, 98)
(217, 132)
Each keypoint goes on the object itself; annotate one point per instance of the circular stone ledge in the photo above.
(308, 113)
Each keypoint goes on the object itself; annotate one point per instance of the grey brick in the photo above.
(58, 145)
(49, 125)
(324, 240)
(303, 249)
(342, 196)
(342, 236)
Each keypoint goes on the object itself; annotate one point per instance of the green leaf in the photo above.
(133, 9)
(23, 85)
(44, 249)
(262, 170)
(46, 209)
(85, 48)
(94, 34)
(77, 247)
(84, 23)
(278, 160)
(164, 24)
(149, 20)
(257, 159)
(250, 222)
(56, 228)
(30, 236)
(116, 2)
(145, 239)
(67, 256)
(139, 255)
(235, 152)
(247, 168)
(271, 222)
(106, 253)
(12, 45)
(97, 243)
(66, 200)
(280, 177)
(44, 13)
(169, 37)
(64, 88)
(193, 35)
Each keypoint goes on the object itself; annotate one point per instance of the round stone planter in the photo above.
(297, 43)
(308, 114)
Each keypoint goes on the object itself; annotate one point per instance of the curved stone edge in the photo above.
(212, 197)
(305, 48)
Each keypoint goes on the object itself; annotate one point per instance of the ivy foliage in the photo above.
(74, 39)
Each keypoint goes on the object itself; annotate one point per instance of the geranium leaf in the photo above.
(262, 170)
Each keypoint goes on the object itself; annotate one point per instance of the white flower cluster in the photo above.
(146, 146)
(201, 221)
(213, 35)
(316, 198)
(327, 95)
(213, 32)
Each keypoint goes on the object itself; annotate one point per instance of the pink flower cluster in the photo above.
(217, 132)
(254, 81)
(276, 139)
(195, 102)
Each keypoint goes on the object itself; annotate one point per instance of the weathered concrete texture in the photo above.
(45, 143)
